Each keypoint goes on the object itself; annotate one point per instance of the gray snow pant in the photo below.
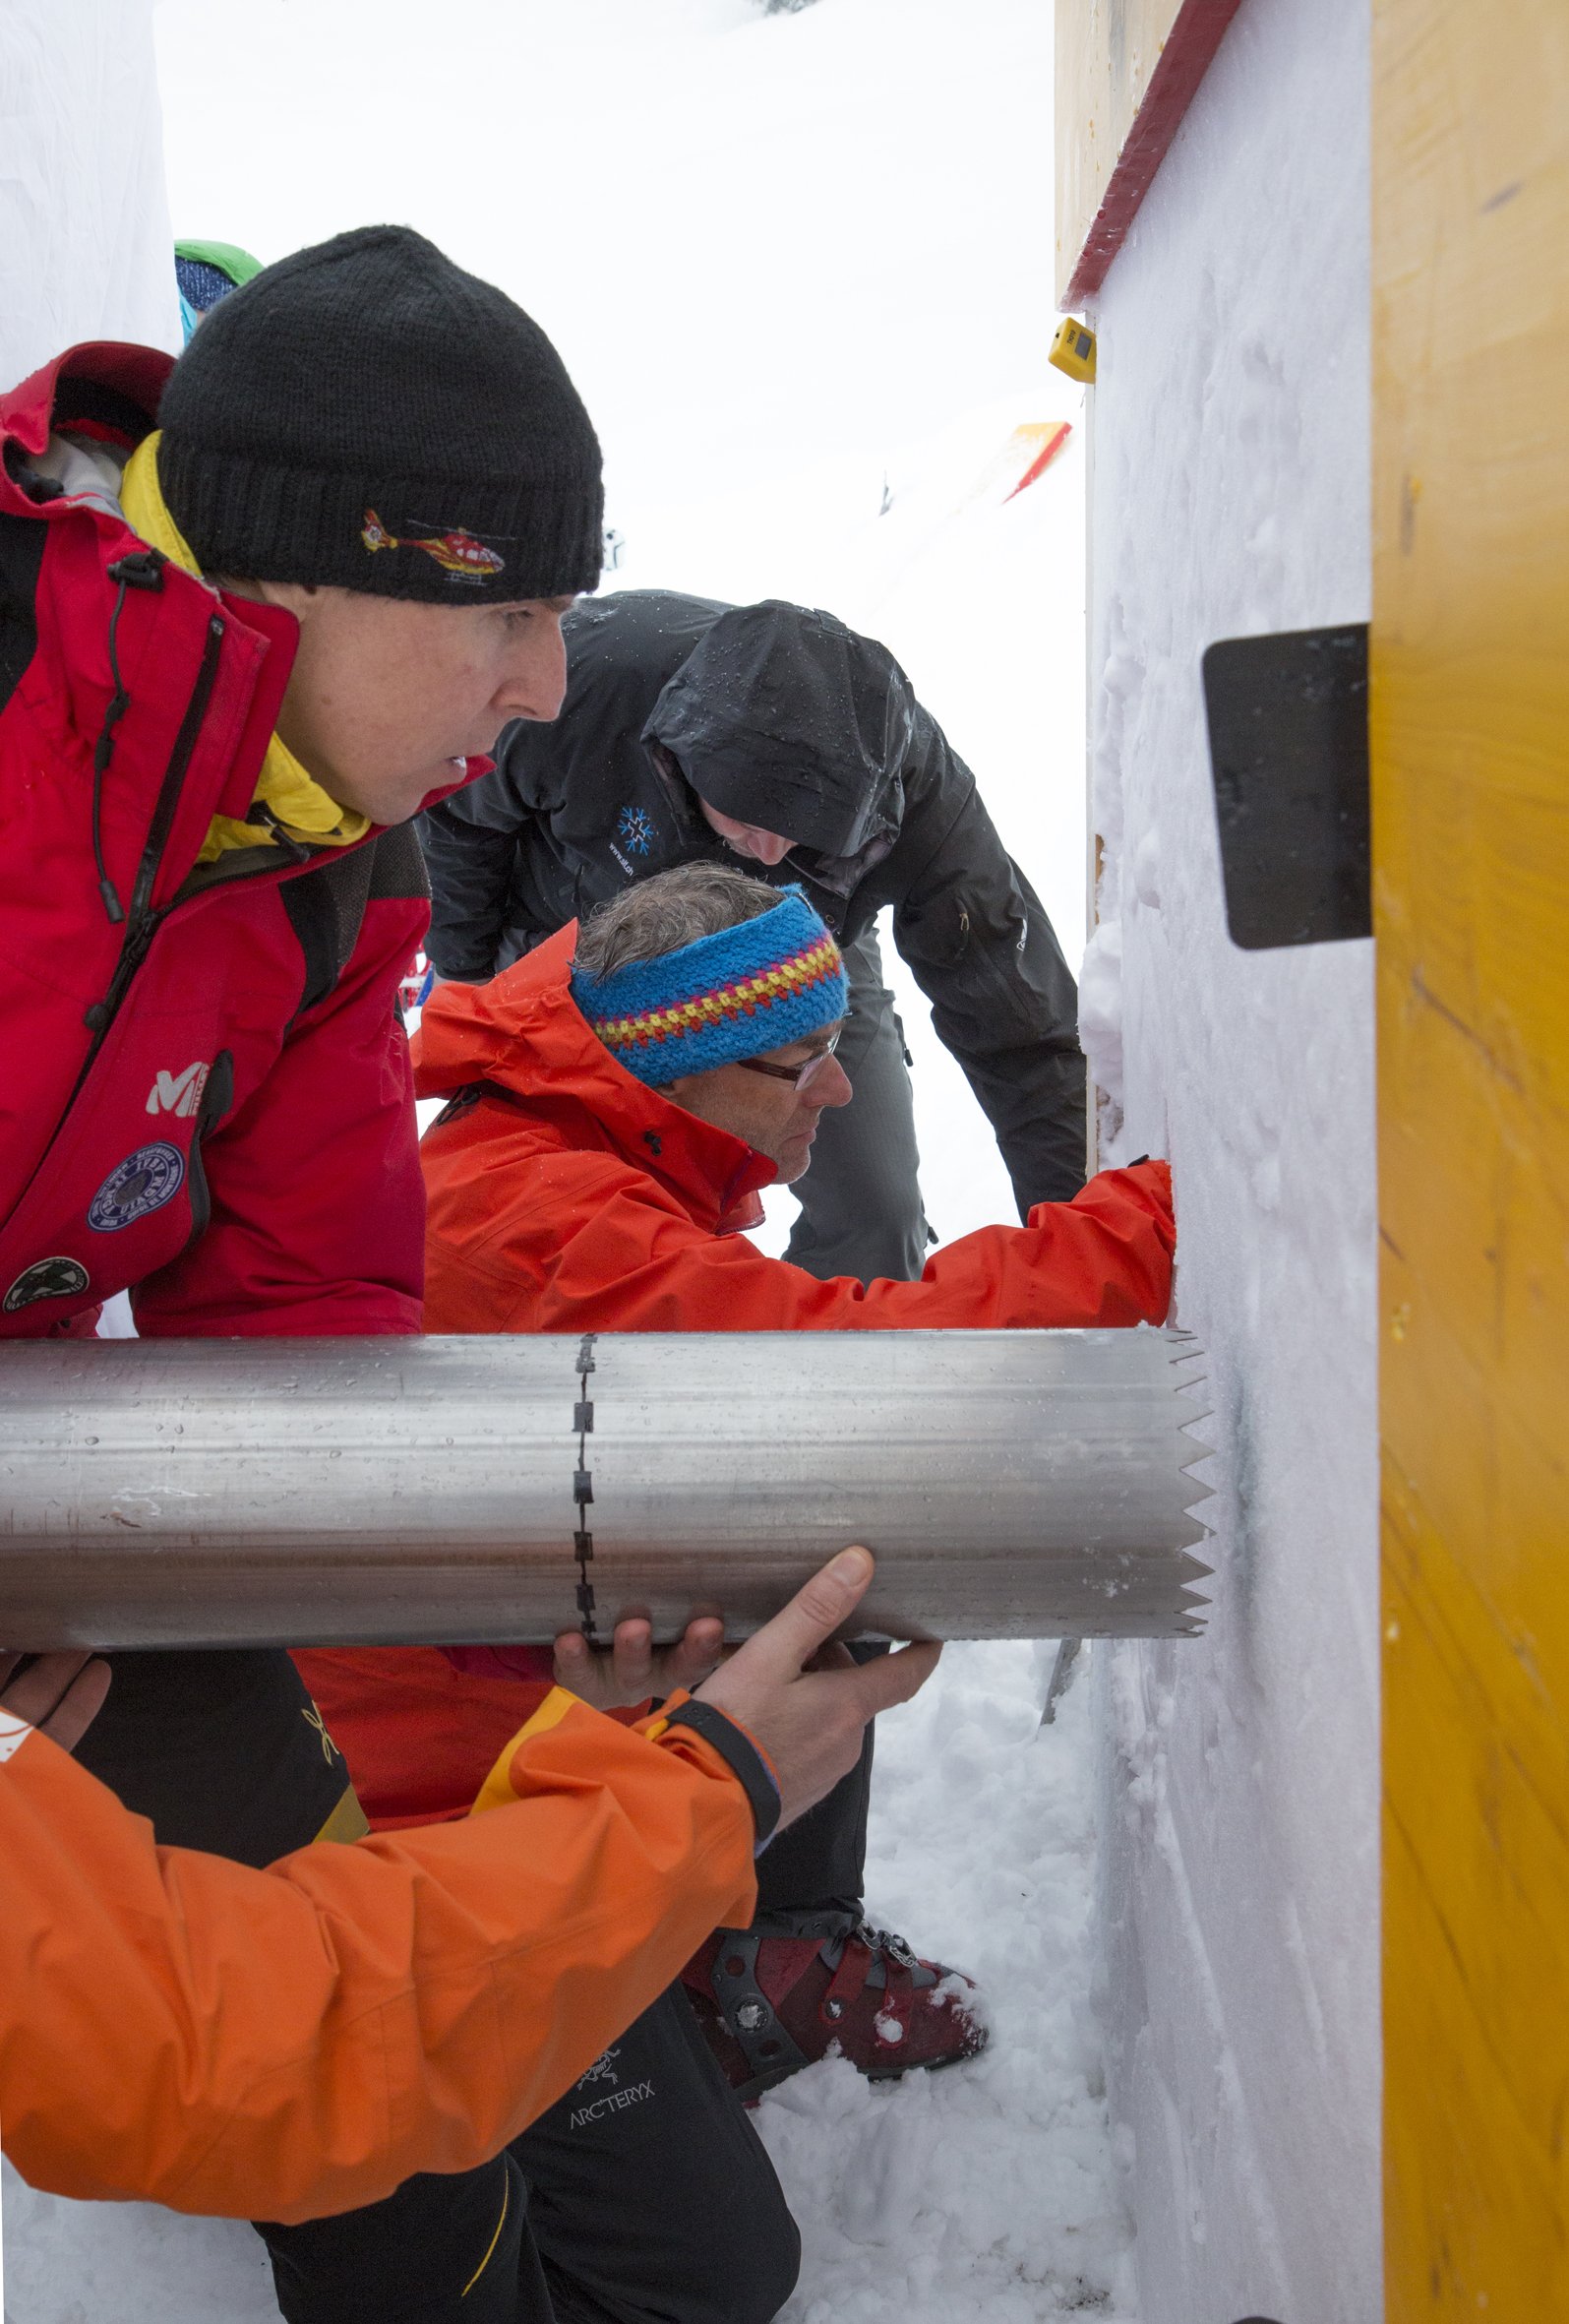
(861, 1211)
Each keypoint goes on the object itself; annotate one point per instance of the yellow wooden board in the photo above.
(1471, 853)
(1106, 52)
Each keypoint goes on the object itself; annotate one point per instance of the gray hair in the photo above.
(662, 913)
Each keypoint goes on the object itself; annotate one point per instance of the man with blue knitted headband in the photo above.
(617, 1099)
(775, 984)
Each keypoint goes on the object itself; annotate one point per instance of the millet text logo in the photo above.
(179, 1093)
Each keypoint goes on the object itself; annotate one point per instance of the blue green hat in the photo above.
(771, 980)
(207, 271)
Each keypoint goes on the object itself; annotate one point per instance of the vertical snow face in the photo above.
(84, 245)
(1230, 495)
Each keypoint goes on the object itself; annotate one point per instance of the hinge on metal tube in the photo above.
(584, 1487)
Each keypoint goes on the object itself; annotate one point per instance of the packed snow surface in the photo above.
(983, 2195)
(800, 266)
(84, 220)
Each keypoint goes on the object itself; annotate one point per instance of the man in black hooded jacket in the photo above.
(694, 729)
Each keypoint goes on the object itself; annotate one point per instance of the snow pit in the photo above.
(804, 280)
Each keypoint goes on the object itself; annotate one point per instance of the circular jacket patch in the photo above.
(46, 1278)
(143, 1182)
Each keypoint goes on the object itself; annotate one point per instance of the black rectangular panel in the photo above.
(1288, 738)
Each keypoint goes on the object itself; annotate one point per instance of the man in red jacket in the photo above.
(246, 631)
(255, 609)
(617, 1099)
(619, 1096)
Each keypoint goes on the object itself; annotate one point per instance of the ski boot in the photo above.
(780, 1995)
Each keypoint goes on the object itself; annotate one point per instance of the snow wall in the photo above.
(84, 245)
(1230, 495)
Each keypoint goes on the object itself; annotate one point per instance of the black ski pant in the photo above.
(819, 1863)
(643, 2196)
(861, 1211)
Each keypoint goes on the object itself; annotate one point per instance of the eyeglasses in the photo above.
(803, 1076)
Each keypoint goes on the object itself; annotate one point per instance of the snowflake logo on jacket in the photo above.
(635, 831)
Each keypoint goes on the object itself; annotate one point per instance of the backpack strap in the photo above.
(327, 905)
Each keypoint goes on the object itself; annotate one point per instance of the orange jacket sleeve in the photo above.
(294, 2041)
(614, 1253)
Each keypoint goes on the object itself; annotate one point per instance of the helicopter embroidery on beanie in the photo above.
(456, 552)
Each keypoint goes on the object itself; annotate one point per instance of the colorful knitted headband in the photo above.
(771, 980)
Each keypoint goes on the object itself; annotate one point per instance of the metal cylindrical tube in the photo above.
(228, 1493)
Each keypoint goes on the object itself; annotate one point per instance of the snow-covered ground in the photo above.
(984, 2194)
(800, 266)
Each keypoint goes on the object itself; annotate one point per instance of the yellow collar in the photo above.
(297, 799)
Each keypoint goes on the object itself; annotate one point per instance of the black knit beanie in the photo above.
(366, 414)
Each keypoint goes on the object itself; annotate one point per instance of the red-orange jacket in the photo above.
(567, 1197)
(564, 1195)
(295, 2042)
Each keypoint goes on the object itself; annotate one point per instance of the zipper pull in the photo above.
(295, 849)
(139, 569)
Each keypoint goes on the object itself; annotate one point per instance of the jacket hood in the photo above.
(107, 386)
(783, 718)
(525, 1034)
